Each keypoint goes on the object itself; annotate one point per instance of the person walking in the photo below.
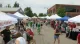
(67, 31)
(56, 35)
(6, 35)
(38, 27)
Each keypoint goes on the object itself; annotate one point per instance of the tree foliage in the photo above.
(49, 14)
(28, 12)
(41, 14)
(1, 5)
(16, 4)
(45, 15)
(34, 14)
(9, 6)
(61, 12)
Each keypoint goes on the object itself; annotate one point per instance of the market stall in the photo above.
(75, 31)
(6, 20)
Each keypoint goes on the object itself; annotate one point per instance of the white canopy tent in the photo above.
(54, 17)
(19, 15)
(6, 20)
(47, 17)
(34, 17)
(26, 17)
(75, 19)
(42, 17)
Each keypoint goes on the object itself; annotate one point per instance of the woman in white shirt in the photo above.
(20, 39)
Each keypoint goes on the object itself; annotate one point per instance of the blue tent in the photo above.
(65, 18)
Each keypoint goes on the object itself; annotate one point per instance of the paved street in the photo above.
(46, 37)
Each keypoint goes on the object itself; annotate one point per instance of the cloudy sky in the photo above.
(39, 6)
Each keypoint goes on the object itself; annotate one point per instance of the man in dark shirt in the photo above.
(6, 34)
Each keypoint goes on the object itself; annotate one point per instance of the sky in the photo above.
(39, 6)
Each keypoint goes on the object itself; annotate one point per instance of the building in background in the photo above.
(71, 10)
(11, 10)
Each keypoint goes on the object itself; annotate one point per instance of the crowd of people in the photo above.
(22, 33)
(65, 27)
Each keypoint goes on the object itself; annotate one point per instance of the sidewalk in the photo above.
(46, 37)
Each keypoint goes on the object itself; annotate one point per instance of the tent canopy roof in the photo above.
(65, 18)
(75, 19)
(19, 15)
(54, 16)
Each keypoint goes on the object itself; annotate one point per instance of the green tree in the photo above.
(16, 4)
(35, 14)
(9, 6)
(61, 12)
(28, 12)
(41, 14)
(49, 14)
(45, 15)
(1, 5)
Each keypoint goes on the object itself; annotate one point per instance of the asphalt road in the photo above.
(46, 37)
